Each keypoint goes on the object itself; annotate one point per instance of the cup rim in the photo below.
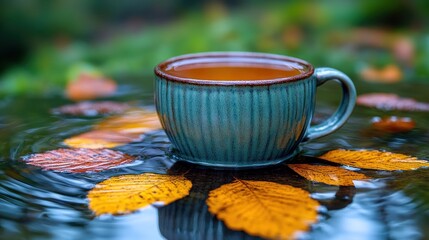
(309, 69)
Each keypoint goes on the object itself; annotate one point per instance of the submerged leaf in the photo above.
(390, 101)
(79, 160)
(117, 130)
(373, 159)
(264, 209)
(96, 139)
(91, 108)
(327, 174)
(90, 86)
(133, 121)
(393, 124)
(128, 193)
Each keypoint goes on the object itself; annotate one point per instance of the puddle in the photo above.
(38, 204)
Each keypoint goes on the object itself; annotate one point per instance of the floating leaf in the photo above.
(133, 121)
(393, 124)
(79, 160)
(373, 159)
(89, 86)
(128, 193)
(389, 74)
(92, 108)
(264, 209)
(96, 139)
(327, 174)
(389, 101)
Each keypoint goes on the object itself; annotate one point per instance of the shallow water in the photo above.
(38, 204)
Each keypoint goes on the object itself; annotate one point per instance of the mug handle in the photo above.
(343, 111)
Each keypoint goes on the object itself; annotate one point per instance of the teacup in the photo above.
(240, 109)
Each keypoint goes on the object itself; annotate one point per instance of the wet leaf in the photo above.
(79, 160)
(117, 130)
(92, 108)
(133, 121)
(90, 86)
(264, 209)
(393, 124)
(128, 193)
(390, 101)
(389, 74)
(373, 159)
(96, 139)
(331, 175)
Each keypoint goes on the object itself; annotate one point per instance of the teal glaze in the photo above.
(245, 124)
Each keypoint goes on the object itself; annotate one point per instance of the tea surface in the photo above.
(233, 71)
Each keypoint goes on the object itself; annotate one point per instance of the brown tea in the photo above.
(232, 71)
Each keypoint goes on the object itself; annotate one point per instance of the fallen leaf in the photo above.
(96, 139)
(133, 121)
(327, 174)
(117, 130)
(128, 193)
(373, 159)
(92, 108)
(390, 101)
(79, 160)
(393, 124)
(389, 74)
(264, 209)
(89, 86)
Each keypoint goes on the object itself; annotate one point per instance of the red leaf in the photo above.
(79, 160)
(389, 101)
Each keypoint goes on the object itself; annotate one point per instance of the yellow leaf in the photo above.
(101, 139)
(327, 174)
(128, 193)
(134, 121)
(117, 130)
(264, 209)
(373, 159)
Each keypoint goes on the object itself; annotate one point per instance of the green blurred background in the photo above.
(42, 41)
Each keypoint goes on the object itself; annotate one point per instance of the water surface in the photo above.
(38, 204)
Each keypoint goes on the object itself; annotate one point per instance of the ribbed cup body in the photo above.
(235, 126)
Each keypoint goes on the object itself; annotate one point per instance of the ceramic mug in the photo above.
(244, 123)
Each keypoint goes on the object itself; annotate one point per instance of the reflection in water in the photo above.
(374, 214)
(43, 204)
(46, 204)
(189, 217)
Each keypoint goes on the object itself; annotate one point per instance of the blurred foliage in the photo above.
(128, 38)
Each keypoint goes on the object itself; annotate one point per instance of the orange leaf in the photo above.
(117, 130)
(393, 124)
(264, 209)
(79, 160)
(327, 174)
(133, 121)
(128, 193)
(389, 74)
(372, 159)
(389, 101)
(89, 86)
(91, 108)
(96, 139)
